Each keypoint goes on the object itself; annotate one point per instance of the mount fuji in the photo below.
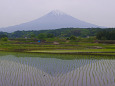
(53, 20)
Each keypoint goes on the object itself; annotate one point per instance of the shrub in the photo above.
(72, 38)
(4, 39)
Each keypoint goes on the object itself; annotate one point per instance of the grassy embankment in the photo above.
(71, 47)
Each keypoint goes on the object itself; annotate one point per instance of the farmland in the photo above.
(57, 61)
(17, 69)
(71, 47)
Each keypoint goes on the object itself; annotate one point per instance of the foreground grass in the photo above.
(86, 51)
(58, 56)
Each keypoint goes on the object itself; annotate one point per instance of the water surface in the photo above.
(17, 69)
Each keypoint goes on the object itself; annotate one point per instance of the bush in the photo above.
(72, 38)
(50, 35)
(4, 39)
(41, 36)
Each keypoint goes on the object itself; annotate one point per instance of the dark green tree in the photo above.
(106, 35)
(3, 35)
(50, 35)
(42, 36)
(72, 38)
(32, 36)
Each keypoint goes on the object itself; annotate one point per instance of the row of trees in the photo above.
(64, 32)
(42, 36)
(106, 35)
(70, 33)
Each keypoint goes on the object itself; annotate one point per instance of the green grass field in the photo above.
(72, 47)
(83, 51)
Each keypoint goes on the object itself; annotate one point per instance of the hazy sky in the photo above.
(99, 12)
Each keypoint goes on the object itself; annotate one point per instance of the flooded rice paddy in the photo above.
(46, 70)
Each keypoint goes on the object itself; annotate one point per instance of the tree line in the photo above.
(106, 34)
(101, 34)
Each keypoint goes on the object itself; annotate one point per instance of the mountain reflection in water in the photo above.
(37, 71)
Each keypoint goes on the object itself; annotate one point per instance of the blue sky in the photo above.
(99, 12)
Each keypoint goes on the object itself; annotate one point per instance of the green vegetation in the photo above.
(58, 56)
(3, 35)
(79, 52)
(61, 41)
(64, 46)
(4, 39)
(64, 32)
(106, 35)
(27, 57)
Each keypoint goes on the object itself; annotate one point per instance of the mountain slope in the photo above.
(53, 20)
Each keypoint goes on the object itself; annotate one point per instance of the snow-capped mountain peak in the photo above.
(53, 20)
(57, 13)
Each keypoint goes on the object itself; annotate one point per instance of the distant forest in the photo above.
(101, 34)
